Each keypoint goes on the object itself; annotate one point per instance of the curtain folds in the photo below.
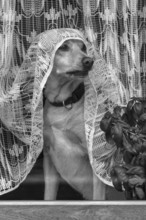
(116, 28)
(117, 32)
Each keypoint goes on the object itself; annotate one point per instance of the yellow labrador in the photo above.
(66, 154)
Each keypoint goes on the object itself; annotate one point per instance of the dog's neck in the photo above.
(59, 88)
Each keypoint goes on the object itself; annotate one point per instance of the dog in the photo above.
(65, 148)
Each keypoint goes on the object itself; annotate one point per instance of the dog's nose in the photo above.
(87, 62)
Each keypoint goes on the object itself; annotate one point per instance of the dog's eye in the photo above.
(64, 47)
(84, 48)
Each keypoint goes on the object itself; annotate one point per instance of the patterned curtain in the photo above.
(116, 29)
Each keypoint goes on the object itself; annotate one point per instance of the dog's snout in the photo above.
(87, 62)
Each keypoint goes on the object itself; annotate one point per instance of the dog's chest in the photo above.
(66, 121)
(64, 117)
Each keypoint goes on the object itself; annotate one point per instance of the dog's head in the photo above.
(71, 60)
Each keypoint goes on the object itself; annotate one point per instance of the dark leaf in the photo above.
(136, 170)
(116, 181)
(127, 145)
(130, 105)
(142, 118)
(117, 134)
(105, 122)
(138, 108)
(127, 157)
(139, 192)
(117, 112)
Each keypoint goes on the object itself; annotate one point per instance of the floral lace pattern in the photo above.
(115, 28)
(22, 110)
(103, 93)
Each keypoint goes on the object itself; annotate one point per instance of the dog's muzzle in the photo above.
(87, 63)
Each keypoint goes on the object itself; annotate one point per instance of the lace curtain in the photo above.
(116, 29)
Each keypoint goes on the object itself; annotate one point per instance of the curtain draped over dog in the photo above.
(117, 32)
